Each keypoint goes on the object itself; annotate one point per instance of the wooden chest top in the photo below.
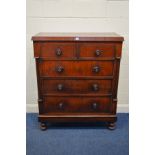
(45, 36)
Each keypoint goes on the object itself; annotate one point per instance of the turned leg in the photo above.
(111, 125)
(43, 126)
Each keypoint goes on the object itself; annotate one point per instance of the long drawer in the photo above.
(76, 86)
(76, 104)
(76, 68)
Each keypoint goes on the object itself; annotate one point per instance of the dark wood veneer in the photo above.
(76, 68)
(57, 50)
(77, 104)
(73, 86)
(77, 76)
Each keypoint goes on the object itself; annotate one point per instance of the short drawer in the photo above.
(57, 50)
(76, 104)
(76, 68)
(76, 86)
(97, 50)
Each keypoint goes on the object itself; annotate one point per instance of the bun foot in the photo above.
(111, 126)
(43, 126)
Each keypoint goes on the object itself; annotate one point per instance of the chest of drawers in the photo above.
(77, 76)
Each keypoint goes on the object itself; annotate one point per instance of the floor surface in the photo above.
(78, 139)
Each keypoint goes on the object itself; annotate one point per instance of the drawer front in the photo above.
(58, 50)
(97, 50)
(76, 86)
(76, 68)
(77, 104)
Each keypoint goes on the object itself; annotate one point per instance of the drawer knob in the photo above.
(59, 69)
(58, 52)
(95, 87)
(94, 105)
(96, 69)
(61, 105)
(60, 87)
(98, 52)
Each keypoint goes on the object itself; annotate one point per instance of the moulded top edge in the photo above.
(46, 36)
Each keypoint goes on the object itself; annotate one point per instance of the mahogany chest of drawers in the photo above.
(77, 76)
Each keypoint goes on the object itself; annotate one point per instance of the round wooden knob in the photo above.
(59, 69)
(96, 69)
(60, 87)
(95, 87)
(94, 105)
(58, 52)
(98, 52)
(61, 105)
